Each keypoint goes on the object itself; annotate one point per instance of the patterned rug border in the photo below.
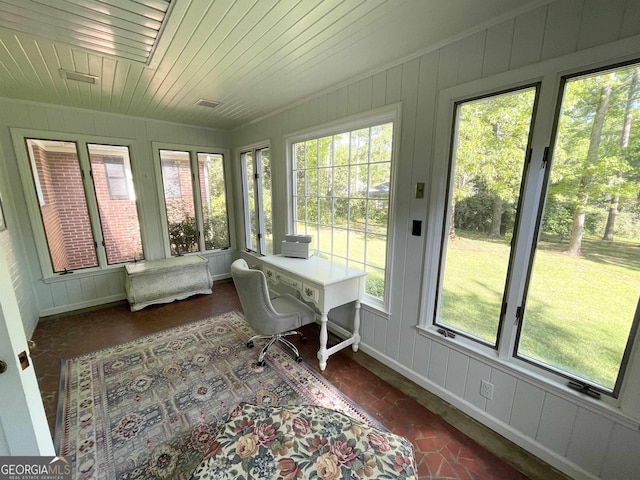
(60, 426)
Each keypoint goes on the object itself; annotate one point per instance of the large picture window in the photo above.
(87, 203)
(195, 200)
(341, 195)
(538, 258)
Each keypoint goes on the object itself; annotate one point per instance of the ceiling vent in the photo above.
(207, 103)
(79, 77)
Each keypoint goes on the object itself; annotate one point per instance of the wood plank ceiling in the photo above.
(157, 58)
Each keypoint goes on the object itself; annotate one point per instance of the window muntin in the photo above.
(341, 197)
(256, 194)
(490, 145)
(582, 293)
(193, 186)
(113, 185)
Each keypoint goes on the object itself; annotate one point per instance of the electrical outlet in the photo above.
(486, 389)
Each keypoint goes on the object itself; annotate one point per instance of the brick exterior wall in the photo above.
(65, 217)
(119, 219)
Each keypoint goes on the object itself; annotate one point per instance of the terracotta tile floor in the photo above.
(441, 451)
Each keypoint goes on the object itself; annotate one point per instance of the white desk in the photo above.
(325, 284)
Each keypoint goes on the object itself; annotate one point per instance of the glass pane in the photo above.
(312, 182)
(250, 202)
(490, 142)
(376, 250)
(583, 290)
(359, 181)
(357, 214)
(178, 198)
(375, 282)
(325, 182)
(381, 139)
(326, 211)
(360, 146)
(341, 149)
(265, 158)
(300, 182)
(214, 201)
(340, 236)
(113, 183)
(325, 152)
(311, 154)
(298, 155)
(341, 212)
(378, 213)
(341, 182)
(379, 184)
(357, 246)
(63, 205)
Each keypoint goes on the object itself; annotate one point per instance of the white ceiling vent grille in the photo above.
(127, 29)
(207, 103)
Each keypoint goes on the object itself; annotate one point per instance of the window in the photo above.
(87, 220)
(538, 257)
(583, 287)
(195, 201)
(341, 194)
(485, 176)
(256, 192)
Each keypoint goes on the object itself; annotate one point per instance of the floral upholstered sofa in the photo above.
(299, 442)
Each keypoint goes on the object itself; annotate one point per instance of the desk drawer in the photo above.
(310, 293)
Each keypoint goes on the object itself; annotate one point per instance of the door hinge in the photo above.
(256, 176)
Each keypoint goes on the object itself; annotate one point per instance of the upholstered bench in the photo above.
(163, 281)
(296, 442)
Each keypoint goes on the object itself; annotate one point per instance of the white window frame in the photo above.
(33, 194)
(259, 200)
(193, 152)
(387, 114)
(626, 408)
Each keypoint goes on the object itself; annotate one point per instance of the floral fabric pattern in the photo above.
(299, 442)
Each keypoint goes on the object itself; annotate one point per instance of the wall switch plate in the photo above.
(486, 389)
(420, 190)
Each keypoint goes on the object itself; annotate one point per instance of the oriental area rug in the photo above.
(150, 408)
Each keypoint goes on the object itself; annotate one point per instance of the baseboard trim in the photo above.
(80, 305)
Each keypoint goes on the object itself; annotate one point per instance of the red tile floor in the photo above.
(441, 451)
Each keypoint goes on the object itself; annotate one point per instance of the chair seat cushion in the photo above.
(295, 442)
(286, 304)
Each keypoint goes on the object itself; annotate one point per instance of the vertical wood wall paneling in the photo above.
(421, 356)
(556, 423)
(407, 285)
(562, 28)
(497, 53)
(621, 460)
(477, 371)
(457, 369)
(601, 22)
(590, 455)
(471, 57)
(438, 359)
(528, 36)
(504, 389)
(527, 408)
(630, 20)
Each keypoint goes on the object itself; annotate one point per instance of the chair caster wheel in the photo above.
(299, 359)
(303, 339)
(261, 364)
(249, 344)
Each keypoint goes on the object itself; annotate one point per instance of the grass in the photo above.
(579, 309)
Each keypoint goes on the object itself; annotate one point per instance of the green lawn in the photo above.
(579, 309)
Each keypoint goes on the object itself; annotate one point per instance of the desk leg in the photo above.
(356, 327)
(322, 353)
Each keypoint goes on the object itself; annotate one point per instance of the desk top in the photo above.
(315, 269)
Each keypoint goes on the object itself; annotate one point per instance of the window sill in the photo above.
(510, 367)
(84, 273)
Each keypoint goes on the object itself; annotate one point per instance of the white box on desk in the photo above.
(296, 249)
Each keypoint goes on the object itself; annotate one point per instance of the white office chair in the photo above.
(273, 318)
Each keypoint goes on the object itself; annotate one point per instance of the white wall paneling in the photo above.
(40, 297)
(581, 439)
